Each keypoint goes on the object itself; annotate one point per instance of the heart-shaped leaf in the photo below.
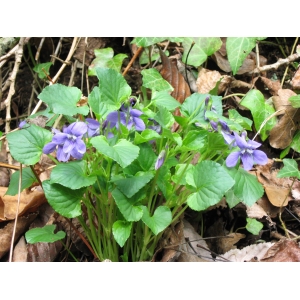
(160, 220)
(121, 231)
(26, 145)
(63, 99)
(44, 235)
(65, 201)
(124, 152)
(75, 172)
(126, 206)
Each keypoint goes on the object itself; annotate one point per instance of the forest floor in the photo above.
(222, 227)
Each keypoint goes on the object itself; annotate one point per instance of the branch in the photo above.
(275, 66)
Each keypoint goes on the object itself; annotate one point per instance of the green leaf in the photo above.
(63, 99)
(164, 118)
(203, 47)
(124, 152)
(260, 110)
(116, 62)
(290, 169)
(72, 175)
(99, 108)
(130, 186)
(165, 100)
(113, 87)
(254, 226)
(194, 108)
(147, 41)
(28, 179)
(63, 200)
(160, 220)
(194, 140)
(145, 136)
(154, 81)
(127, 207)
(155, 55)
(179, 176)
(211, 181)
(121, 231)
(231, 198)
(237, 50)
(236, 117)
(146, 157)
(295, 144)
(164, 182)
(295, 100)
(246, 188)
(39, 69)
(44, 235)
(26, 145)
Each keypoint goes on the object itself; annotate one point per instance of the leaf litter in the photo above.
(183, 242)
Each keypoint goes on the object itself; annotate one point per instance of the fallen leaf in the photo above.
(29, 202)
(273, 85)
(282, 133)
(283, 251)
(228, 242)
(207, 81)
(253, 252)
(7, 230)
(171, 74)
(295, 82)
(194, 253)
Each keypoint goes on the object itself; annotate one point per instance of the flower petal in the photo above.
(232, 159)
(59, 138)
(68, 145)
(260, 157)
(247, 160)
(241, 141)
(135, 113)
(253, 145)
(80, 146)
(50, 147)
(78, 128)
(139, 124)
(61, 155)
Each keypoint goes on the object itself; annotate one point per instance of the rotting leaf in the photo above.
(207, 81)
(170, 73)
(29, 202)
(6, 232)
(282, 133)
(283, 251)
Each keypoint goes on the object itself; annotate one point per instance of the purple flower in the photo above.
(69, 142)
(248, 153)
(128, 117)
(22, 124)
(93, 127)
(225, 131)
(160, 160)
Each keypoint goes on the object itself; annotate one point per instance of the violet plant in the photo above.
(122, 171)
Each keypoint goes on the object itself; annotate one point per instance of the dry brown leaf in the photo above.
(249, 253)
(29, 202)
(296, 80)
(273, 85)
(282, 133)
(171, 74)
(283, 251)
(277, 189)
(20, 251)
(194, 254)
(207, 81)
(255, 211)
(228, 242)
(6, 232)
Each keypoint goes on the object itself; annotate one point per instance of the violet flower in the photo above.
(160, 160)
(93, 127)
(69, 142)
(128, 117)
(22, 124)
(248, 153)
